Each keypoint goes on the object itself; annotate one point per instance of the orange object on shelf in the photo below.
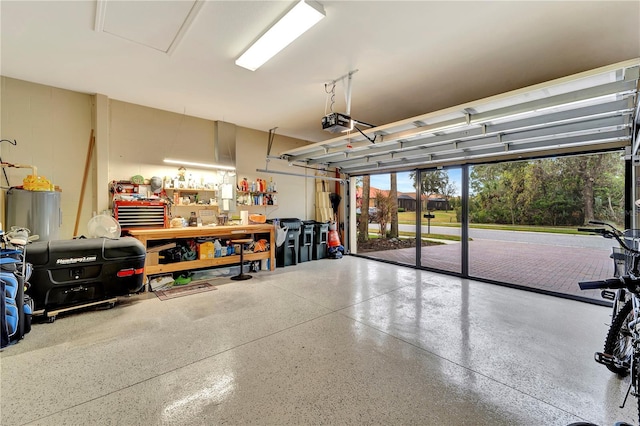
(257, 218)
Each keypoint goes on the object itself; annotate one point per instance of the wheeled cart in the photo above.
(51, 315)
(74, 274)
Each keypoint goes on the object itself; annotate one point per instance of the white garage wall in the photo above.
(295, 194)
(140, 138)
(52, 128)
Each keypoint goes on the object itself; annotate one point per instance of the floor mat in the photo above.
(184, 290)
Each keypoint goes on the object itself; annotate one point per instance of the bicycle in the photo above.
(617, 342)
(627, 319)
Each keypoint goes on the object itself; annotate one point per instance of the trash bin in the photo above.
(305, 252)
(287, 253)
(320, 234)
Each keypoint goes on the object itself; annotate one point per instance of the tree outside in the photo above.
(552, 192)
(566, 191)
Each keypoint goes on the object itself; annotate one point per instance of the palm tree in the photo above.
(363, 226)
(393, 195)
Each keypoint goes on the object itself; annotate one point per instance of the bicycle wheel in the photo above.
(635, 378)
(619, 342)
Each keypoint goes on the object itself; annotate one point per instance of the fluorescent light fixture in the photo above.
(304, 15)
(205, 165)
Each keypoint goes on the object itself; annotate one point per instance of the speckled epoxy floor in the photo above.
(349, 341)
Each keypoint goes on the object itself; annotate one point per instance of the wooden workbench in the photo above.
(231, 232)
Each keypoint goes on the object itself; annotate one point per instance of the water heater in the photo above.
(39, 211)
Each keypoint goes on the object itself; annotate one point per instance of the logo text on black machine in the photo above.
(72, 260)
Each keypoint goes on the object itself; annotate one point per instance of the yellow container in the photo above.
(206, 250)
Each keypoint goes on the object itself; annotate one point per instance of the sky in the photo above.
(405, 183)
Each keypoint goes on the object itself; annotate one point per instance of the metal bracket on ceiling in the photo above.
(499, 137)
(349, 77)
(468, 117)
(429, 157)
(455, 144)
(484, 129)
(506, 147)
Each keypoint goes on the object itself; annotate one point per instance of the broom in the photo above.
(335, 202)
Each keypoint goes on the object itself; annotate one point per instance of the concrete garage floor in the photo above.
(349, 341)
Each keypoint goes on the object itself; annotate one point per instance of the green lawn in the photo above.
(443, 218)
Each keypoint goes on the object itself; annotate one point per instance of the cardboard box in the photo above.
(322, 200)
(153, 258)
(153, 254)
(323, 185)
(324, 214)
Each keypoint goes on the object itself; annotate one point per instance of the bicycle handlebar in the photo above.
(597, 222)
(600, 231)
(625, 281)
(606, 233)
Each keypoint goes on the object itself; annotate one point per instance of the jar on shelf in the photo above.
(193, 220)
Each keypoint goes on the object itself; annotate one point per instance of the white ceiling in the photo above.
(413, 57)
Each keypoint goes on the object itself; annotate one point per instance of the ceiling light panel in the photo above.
(304, 15)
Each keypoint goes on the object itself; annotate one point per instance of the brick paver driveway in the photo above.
(552, 268)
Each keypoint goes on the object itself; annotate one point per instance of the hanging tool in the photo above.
(14, 143)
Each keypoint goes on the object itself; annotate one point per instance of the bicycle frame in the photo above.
(620, 296)
(626, 287)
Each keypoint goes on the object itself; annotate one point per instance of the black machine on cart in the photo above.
(73, 274)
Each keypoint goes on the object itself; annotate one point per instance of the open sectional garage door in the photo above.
(585, 112)
(545, 127)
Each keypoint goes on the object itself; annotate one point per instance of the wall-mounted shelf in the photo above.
(190, 190)
(255, 192)
(178, 193)
(256, 198)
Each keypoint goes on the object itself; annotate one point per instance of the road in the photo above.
(562, 240)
